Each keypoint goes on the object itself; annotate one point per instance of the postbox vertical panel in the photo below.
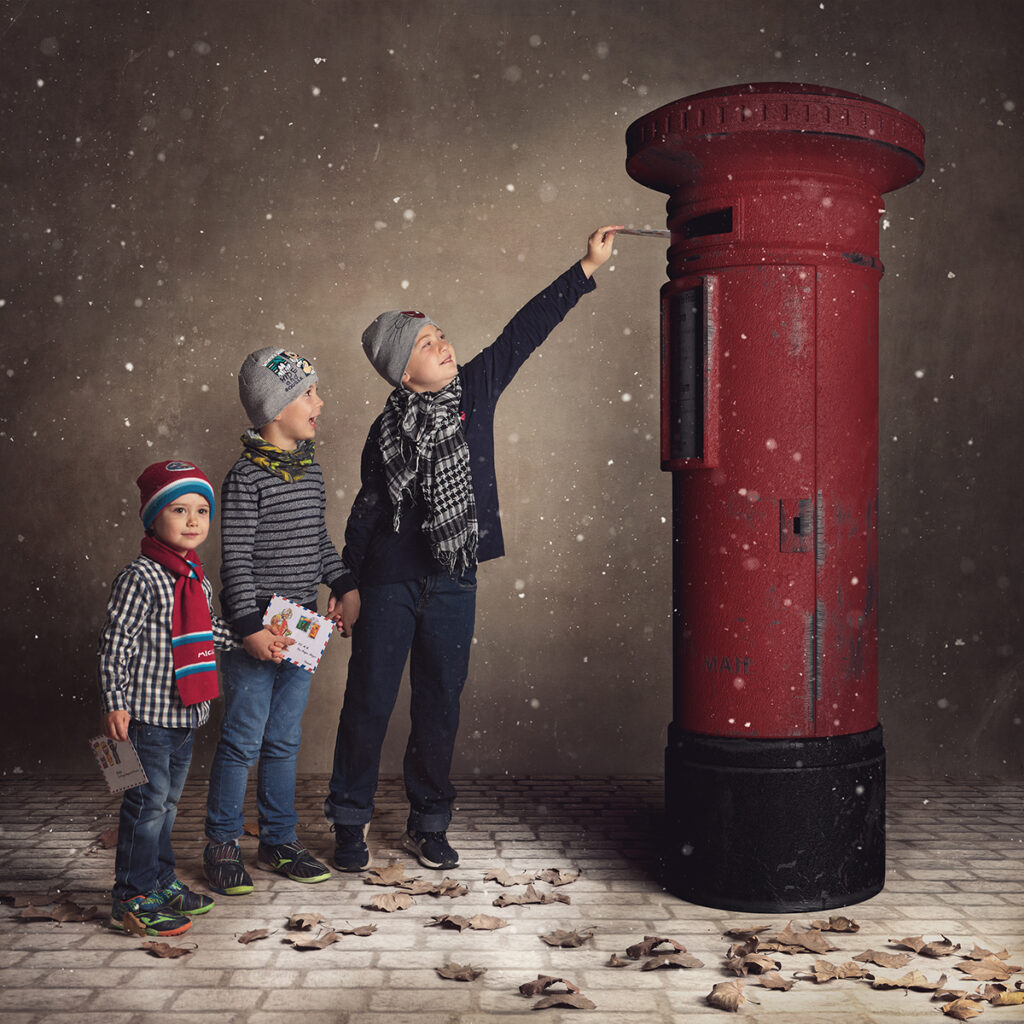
(847, 486)
(746, 593)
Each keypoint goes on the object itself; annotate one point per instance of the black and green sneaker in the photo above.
(224, 870)
(293, 861)
(150, 913)
(178, 896)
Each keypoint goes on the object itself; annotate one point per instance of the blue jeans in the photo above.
(144, 862)
(432, 618)
(263, 705)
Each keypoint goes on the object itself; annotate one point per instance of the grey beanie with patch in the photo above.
(388, 341)
(270, 379)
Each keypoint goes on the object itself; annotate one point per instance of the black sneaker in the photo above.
(180, 898)
(224, 870)
(149, 912)
(293, 861)
(431, 849)
(350, 849)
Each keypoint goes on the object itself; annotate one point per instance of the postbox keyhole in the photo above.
(796, 526)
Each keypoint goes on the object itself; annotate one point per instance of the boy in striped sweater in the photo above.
(273, 541)
(157, 676)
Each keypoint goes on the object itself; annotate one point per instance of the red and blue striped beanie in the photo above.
(164, 482)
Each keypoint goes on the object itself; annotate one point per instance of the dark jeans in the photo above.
(432, 618)
(263, 706)
(144, 862)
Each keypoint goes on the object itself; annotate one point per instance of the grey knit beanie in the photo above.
(388, 341)
(270, 379)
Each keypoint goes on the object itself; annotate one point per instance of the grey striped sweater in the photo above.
(274, 541)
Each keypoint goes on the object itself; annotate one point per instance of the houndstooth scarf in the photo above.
(422, 443)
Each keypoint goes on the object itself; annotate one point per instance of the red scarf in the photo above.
(195, 667)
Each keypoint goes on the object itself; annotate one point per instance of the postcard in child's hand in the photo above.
(309, 631)
(119, 763)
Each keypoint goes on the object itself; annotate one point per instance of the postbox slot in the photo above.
(686, 368)
(714, 222)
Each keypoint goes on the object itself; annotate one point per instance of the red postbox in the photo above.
(775, 770)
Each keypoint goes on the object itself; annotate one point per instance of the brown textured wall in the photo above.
(184, 183)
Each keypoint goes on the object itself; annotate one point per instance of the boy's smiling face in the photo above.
(184, 523)
(432, 364)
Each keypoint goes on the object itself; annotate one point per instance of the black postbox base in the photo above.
(774, 825)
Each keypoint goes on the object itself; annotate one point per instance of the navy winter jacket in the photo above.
(374, 551)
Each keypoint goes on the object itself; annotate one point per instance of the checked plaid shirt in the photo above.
(136, 662)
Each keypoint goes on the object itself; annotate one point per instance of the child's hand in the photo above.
(115, 724)
(599, 248)
(344, 612)
(265, 646)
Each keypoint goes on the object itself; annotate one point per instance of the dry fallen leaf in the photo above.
(890, 961)
(451, 888)
(989, 969)
(132, 925)
(544, 981)
(836, 924)
(948, 994)
(320, 942)
(108, 839)
(649, 944)
(772, 979)
(556, 877)
(614, 961)
(419, 887)
(727, 995)
(566, 940)
(389, 902)
(912, 980)
(250, 829)
(824, 971)
(962, 1009)
(932, 949)
(752, 963)
(393, 874)
(166, 952)
(448, 921)
(303, 922)
(672, 960)
(572, 1001)
(980, 954)
(62, 913)
(937, 949)
(486, 923)
(745, 934)
(1007, 999)
(460, 972)
(790, 941)
(252, 936)
(530, 896)
(363, 929)
(502, 877)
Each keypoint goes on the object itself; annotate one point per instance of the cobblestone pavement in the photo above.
(956, 868)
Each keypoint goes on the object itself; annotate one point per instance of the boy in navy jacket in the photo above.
(425, 515)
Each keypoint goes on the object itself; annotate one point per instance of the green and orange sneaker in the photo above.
(151, 913)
